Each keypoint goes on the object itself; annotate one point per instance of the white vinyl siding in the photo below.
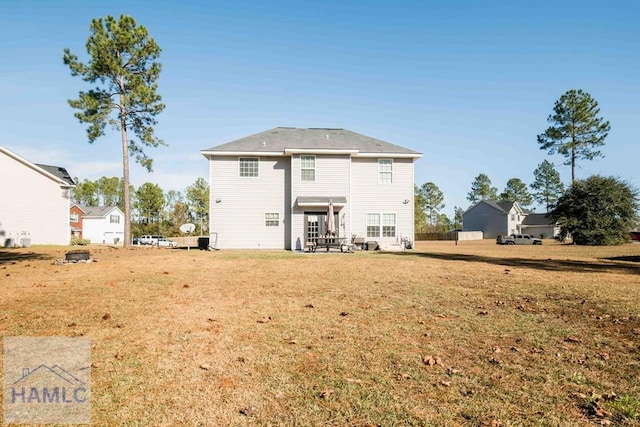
(238, 217)
(107, 229)
(272, 219)
(332, 179)
(385, 171)
(307, 168)
(367, 196)
(249, 166)
(34, 207)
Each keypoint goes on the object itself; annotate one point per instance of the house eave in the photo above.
(36, 168)
(319, 151)
(390, 155)
(208, 154)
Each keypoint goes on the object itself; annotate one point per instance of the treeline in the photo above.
(154, 211)
(546, 189)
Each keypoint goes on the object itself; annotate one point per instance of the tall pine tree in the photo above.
(547, 187)
(576, 131)
(122, 66)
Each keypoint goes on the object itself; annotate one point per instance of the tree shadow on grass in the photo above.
(539, 264)
(12, 256)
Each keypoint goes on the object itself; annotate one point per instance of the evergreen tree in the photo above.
(481, 189)
(198, 199)
(597, 211)
(149, 203)
(433, 202)
(576, 131)
(122, 66)
(516, 191)
(547, 187)
(85, 193)
(419, 207)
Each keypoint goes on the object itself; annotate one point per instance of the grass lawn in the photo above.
(444, 335)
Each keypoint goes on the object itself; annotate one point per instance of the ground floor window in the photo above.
(388, 225)
(272, 219)
(381, 225)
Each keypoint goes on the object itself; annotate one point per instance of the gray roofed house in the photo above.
(34, 207)
(494, 218)
(99, 224)
(60, 172)
(539, 225)
(272, 189)
(279, 140)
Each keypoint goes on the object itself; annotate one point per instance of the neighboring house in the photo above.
(34, 202)
(98, 224)
(75, 221)
(539, 225)
(273, 189)
(494, 218)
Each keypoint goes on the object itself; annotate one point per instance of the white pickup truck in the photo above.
(518, 239)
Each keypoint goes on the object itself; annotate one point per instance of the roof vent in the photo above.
(327, 136)
(264, 143)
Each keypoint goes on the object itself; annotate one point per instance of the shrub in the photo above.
(79, 242)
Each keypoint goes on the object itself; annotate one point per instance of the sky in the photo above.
(468, 84)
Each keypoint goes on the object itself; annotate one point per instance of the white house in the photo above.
(539, 225)
(494, 218)
(34, 202)
(102, 224)
(273, 189)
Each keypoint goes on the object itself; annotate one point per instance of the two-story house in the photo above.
(98, 224)
(273, 189)
(494, 218)
(34, 202)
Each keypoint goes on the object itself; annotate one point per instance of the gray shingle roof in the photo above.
(537, 219)
(58, 172)
(285, 138)
(96, 211)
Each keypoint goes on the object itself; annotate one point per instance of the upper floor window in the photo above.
(307, 168)
(272, 219)
(385, 171)
(249, 166)
(74, 217)
(114, 219)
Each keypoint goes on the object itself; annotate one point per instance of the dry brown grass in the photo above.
(444, 335)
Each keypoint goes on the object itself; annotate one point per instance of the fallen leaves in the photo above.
(326, 394)
(431, 360)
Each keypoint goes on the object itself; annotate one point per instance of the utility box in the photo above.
(203, 243)
(371, 245)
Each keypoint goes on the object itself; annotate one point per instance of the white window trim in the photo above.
(381, 225)
(303, 169)
(275, 221)
(114, 219)
(380, 171)
(240, 159)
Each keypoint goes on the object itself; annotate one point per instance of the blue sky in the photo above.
(469, 84)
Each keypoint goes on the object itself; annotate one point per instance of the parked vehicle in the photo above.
(518, 239)
(166, 243)
(149, 239)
